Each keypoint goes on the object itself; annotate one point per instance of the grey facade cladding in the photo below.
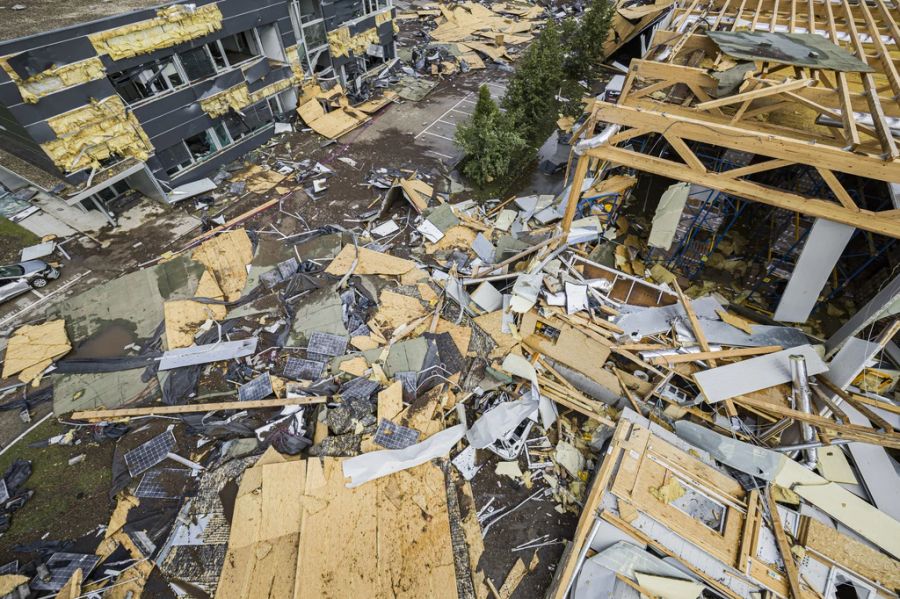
(173, 117)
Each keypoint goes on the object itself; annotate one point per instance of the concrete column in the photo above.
(823, 248)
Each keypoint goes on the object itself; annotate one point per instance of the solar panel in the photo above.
(308, 370)
(322, 346)
(4, 491)
(256, 389)
(146, 456)
(163, 483)
(62, 566)
(281, 272)
(10, 568)
(394, 436)
(358, 388)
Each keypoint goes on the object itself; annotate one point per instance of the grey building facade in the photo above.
(161, 96)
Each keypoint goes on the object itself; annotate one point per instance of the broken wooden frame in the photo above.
(674, 101)
(629, 492)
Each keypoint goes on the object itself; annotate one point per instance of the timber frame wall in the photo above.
(668, 96)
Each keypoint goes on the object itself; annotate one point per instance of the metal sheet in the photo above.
(800, 49)
(823, 247)
(203, 354)
(754, 374)
(876, 468)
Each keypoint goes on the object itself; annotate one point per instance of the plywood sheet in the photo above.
(370, 263)
(32, 348)
(226, 257)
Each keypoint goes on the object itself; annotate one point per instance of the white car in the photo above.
(16, 279)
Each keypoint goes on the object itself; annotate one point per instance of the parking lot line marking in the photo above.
(446, 122)
(462, 112)
(436, 135)
(423, 131)
(439, 154)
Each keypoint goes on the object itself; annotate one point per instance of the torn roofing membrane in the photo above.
(799, 49)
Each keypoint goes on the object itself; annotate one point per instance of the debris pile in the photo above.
(443, 378)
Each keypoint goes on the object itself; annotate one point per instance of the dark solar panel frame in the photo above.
(256, 389)
(149, 454)
(358, 388)
(151, 487)
(326, 344)
(62, 567)
(10, 567)
(393, 436)
(300, 368)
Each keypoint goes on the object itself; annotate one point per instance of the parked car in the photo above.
(16, 279)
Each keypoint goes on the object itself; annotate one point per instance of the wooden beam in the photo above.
(854, 432)
(715, 355)
(884, 132)
(703, 129)
(784, 547)
(654, 71)
(746, 548)
(197, 407)
(868, 221)
(763, 92)
(837, 189)
(843, 87)
(685, 152)
(575, 194)
(752, 169)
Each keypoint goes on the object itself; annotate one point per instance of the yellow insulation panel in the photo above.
(235, 98)
(173, 25)
(293, 54)
(270, 90)
(96, 132)
(341, 43)
(55, 79)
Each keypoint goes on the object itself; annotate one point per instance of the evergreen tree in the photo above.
(584, 41)
(490, 142)
(531, 96)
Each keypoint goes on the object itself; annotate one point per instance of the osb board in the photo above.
(32, 348)
(184, 317)
(226, 257)
(262, 547)
(460, 334)
(395, 309)
(385, 539)
(370, 263)
(850, 553)
(457, 236)
(299, 532)
(490, 323)
(572, 348)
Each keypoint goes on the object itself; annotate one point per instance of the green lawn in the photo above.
(68, 501)
(12, 239)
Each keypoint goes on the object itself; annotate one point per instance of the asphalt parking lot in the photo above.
(438, 134)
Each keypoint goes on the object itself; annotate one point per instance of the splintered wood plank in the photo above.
(784, 547)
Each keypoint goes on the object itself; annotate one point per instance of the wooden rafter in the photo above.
(876, 222)
(721, 133)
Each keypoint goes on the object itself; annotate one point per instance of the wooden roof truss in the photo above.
(834, 122)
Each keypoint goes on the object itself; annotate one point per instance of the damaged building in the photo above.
(156, 97)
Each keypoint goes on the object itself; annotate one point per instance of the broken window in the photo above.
(314, 35)
(310, 10)
(239, 47)
(174, 158)
(701, 507)
(147, 80)
(254, 118)
(843, 585)
(201, 145)
(197, 63)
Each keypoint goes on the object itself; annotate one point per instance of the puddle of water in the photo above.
(108, 343)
